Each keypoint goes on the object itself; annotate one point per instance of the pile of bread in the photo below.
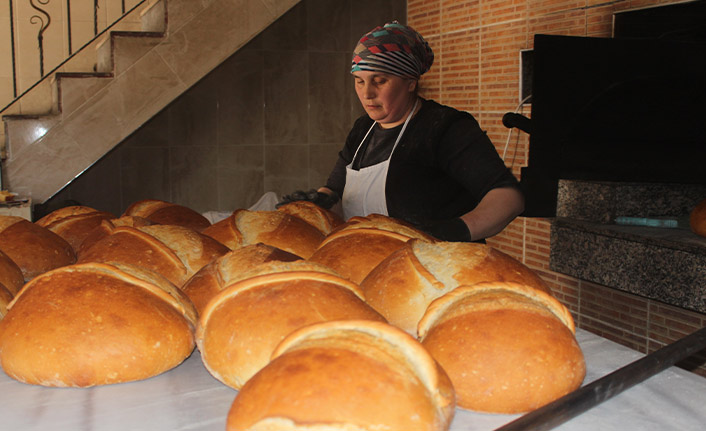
(317, 322)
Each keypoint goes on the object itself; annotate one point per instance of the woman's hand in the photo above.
(322, 199)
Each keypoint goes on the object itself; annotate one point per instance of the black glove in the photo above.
(324, 200)
(447, 230)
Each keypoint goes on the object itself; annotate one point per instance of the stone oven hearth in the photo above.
(667, 264)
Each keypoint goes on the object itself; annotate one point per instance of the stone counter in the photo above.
(665, 264)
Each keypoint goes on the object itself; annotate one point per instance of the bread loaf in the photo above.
(243, 323)
(95, 324)
(175, 252)
(404, 284)
(508, 348)
(360, 244)
(275, 228)
(11, 281)
(10, 274)
(74, 223)
(346, 375)
(106, 227)
(7, 196)
(697, 219)
(162, 212)
(324, 220)
(33, 248)
(391, 224)
(5, 298)
(227, 269)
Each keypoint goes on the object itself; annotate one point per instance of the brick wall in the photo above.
(477, 45)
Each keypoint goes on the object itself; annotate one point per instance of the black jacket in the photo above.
(440, 170)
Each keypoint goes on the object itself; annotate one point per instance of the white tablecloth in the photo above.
(189, 398)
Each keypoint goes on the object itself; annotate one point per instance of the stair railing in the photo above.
(37, 13)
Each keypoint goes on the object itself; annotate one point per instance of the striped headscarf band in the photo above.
(395, 49)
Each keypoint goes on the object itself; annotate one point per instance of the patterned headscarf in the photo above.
(395, 49)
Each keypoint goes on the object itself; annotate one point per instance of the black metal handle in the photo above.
(519, 121)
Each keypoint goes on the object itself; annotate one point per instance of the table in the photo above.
(189, 398)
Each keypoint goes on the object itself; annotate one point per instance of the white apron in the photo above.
(364, 192)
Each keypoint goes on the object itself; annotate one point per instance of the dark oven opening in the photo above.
(631, 108)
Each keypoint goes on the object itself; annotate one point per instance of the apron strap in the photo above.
(399, 137)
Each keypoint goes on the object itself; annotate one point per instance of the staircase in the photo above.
(98, 98)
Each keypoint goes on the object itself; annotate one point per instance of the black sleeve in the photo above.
(468, 155)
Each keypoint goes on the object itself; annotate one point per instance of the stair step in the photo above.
(76, 88)
(123, 49)
(23, 130)
(153, 17)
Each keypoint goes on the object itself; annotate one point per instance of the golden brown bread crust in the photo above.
(275, 228)
(226, 232)
(134, 247)
(697, 219)
(70, 211)
(74, 223)
(360, 244)
(145, 207)
(391, 224)
(62, 213)
(163, 212)
(354, 253)
(175, 252)
(507, 348)
(242, 324)
(5, 298)
(223, 271)
(324, 220)
(95, 324)
(33, 248)
(404, 284)
(105, 228)
(346, 375)
(10, 274)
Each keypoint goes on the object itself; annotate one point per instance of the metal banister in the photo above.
(44, 20)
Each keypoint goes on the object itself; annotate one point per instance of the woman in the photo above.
(414, 159)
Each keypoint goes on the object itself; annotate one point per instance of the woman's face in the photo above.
(386, 98)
